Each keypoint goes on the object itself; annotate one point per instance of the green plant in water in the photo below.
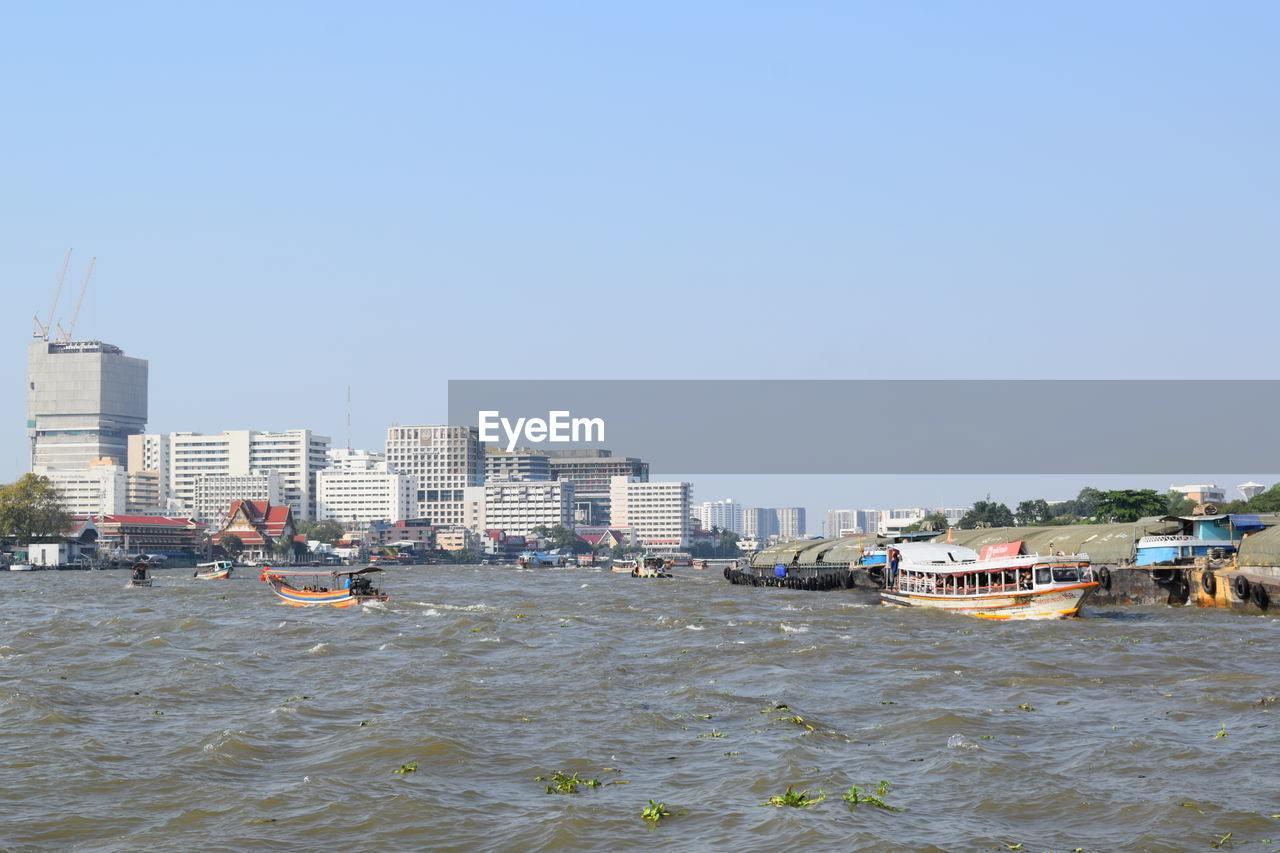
(564, 783)
(796, 799)
(856, 795)
(655, 811)
(411, 767)
(1222, 732)
(712, 733)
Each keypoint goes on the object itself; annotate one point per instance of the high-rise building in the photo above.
(840, 522)
(759, 523)
(591, 471)
(791, 522)
(296, 454)
(520, 465)
(443, 460)
(84, 400)
(725, 515)
(657, 512)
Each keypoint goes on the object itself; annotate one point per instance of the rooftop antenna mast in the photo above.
(42, 329)
(348, 419)
(66, 336)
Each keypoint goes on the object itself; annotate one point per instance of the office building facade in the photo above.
(84, 400)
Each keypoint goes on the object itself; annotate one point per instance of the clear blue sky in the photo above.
(287, 199)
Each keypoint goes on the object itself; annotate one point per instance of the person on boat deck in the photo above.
(140, 572)
(894, 556)
(1025, 583)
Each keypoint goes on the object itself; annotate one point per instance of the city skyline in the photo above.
(527, 195)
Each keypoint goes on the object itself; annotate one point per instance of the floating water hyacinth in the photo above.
(856, 795)
(796, 799)
(563, 783)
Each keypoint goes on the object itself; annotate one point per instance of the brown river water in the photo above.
(207, 715)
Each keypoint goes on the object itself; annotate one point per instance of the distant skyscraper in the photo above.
(791, 522)
(84, 400)
(839, 520)
(724, 514)
(759, 523)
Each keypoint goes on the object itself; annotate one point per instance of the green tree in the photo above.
(232, 544)
(462, 556)
(1176, 503)
(322, 531)
(30, 510)
(1268, 501)
(282, 547)
(561, 537)
(1033, 512)
(986, 514)
(933, 522)
(728, 544)
(1086, 503)
(1122, 505)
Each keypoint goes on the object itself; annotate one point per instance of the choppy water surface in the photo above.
(204, 714)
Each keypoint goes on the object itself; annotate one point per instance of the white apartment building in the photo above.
(365, 491)
(296, 454)
(443, 461)
(724, 514)
(516, 508)
(346, 459)
(658, 512)
(840, 522)
(212, 497)
(892, 521)
(791, 523)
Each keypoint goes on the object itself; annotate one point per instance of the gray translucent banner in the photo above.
(893, 427)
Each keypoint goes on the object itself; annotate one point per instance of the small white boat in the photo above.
(1002, 583)
(217, 570)
(21, 567)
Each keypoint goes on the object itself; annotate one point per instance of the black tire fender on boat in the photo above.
(1260, 596)
(1208, 582)
(1240, 586)
(1104, 578)
(1162, 575)
(1182, 589)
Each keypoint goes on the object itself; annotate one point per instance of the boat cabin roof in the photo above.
(936, 553)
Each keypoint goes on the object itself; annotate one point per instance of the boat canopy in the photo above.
(321, 574)
(928, 553)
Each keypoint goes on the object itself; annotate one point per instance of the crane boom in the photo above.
(80, 301)
(42, 329)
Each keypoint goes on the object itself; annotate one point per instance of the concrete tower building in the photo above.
(84, 400)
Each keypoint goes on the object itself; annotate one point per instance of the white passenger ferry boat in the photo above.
(1001, 583)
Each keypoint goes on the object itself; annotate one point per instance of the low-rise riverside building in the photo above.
(517, 508)
(365, 492)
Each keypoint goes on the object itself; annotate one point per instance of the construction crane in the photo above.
(65, 337)
(42, 329)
